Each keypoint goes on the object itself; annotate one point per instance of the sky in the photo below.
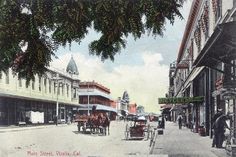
(141, 69)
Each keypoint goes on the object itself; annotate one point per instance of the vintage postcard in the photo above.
(117, 78)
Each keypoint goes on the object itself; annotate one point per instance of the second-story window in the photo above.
(55, 87)
(0, 76)
(62, 89)
(45, 85)
(74, 92)
(59, 88)
(67, 90)
(7, 77)
(197, 38)
(33, 83)
(26, 85)
(204, 22)
(50, 86)
(190, 56)
(217, 9)
(20, 82)
(39, 83)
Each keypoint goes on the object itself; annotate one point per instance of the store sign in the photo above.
(180, 100)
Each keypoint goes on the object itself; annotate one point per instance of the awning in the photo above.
(220, 47)
(105, 108)
(178, 107)
(166, 106)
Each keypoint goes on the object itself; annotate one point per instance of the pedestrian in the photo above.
(163, 122)
(180, 120)
(219, 130)
(217, 115)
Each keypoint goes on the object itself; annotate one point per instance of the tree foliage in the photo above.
(44, 25)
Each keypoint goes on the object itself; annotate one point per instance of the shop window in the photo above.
(62, 113)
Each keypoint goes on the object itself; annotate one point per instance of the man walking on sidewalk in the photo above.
(219, 130)
(217, 115)
(180, 119)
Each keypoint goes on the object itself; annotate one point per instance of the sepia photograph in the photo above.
(118, 78)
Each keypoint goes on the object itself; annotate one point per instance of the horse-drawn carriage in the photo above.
(138, 130)
(94, 123)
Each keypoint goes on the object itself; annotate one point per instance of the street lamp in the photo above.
(57, 79)
(88, 98)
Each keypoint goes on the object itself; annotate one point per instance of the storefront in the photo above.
(15, 111)
(219, 55)
(185, 106)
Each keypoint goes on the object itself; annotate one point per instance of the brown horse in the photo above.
(100, 123)
(105, 124)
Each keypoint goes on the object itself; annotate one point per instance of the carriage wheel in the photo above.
(152, 138)
(78, 127)
(148, 131)
(127, 132)
(127, 135)
(127, 127)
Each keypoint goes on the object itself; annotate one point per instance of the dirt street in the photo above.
(65, 141)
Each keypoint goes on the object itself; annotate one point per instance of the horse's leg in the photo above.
(101, 129)
(105, 130)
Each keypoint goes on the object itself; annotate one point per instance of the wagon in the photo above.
(138, 130)
(94, 123)
(82, 122)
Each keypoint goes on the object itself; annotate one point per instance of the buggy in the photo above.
(138, 130)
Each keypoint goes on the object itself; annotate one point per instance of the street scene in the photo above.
(113, 78)
(65, 140)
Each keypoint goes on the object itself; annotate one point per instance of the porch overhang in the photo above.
(220, 47)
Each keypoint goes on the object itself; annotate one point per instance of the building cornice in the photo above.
(191, 19)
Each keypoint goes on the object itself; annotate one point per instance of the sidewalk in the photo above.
(184, 143)
(15, 128)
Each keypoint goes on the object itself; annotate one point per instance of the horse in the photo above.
(99, 123)
(93, 123)
(106, 124)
